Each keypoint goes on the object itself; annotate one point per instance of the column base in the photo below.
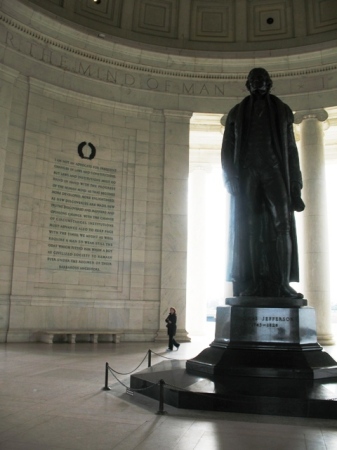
(326, 339)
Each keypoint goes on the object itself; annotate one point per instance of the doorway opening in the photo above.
(207, 225)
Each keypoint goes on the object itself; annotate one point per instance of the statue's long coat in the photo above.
(234, 140)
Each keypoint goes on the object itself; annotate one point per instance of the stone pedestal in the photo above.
(265, 337)
(265, 359)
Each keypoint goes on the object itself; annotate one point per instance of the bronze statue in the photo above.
(262, 173)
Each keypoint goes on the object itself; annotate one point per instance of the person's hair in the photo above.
(175, 311)
(266, 75)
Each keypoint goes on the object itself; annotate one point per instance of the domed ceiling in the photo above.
(205, 25)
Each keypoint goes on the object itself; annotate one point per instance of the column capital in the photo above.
(223, 120)
(320, 114)
(177, 116)
(200, 168)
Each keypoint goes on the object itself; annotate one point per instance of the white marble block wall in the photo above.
(52, 286)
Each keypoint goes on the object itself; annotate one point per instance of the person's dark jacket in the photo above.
(171, 321)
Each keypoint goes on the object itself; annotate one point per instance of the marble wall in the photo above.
(54, 218)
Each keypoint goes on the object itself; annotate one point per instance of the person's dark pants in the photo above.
(172, 342)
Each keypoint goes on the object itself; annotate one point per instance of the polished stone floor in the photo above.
(52, 398)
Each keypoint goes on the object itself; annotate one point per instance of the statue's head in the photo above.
(259, 81)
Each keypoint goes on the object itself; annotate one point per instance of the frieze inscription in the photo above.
(210, 85)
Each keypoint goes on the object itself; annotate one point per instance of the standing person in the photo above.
(171, 324)
(261, 172)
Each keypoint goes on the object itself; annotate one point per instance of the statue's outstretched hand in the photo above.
(232, 186)
(297, 202)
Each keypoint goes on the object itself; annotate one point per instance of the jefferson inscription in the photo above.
(81, 226)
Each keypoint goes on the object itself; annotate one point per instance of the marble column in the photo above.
(197, 293)
(315, 220)
(174, 234)
(8, 174)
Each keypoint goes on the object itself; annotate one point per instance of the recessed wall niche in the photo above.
(212, 20)
(322, 15)
(270, 20)
(107, 11)
(156, 17)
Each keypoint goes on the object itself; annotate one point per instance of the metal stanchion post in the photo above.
(161, 397)
(149, 358)
(106, 386)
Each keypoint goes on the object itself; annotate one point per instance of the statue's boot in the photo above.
(283, 246)
(288, 291)
(251, 291)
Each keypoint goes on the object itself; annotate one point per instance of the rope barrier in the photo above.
(134, 370)
(162, 356)
(114, 372)
(148, 355)
(161, 383)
